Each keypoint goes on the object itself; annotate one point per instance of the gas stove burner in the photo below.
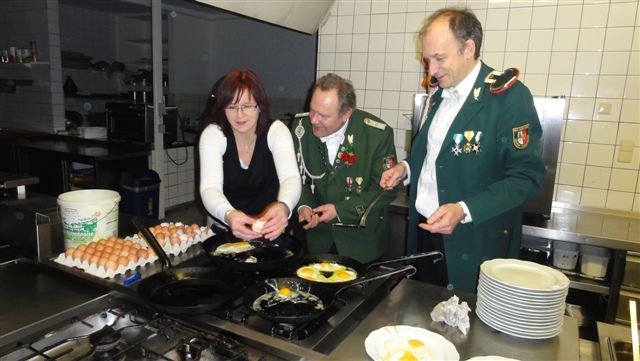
(109, 355)
(106, 339)
(191, 350)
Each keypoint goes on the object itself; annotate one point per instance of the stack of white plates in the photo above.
(521, 298)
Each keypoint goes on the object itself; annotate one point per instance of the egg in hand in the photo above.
(405, 349)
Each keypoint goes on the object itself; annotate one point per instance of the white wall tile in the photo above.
(497, 19)
(343, 42)
(374, 80)
(359, 61)
(574, 153)
(629, 131)
(395, 43)
(584, 86)
(397, 6)
(360, 43)
(600, 155)
(630, 112)
(571, 174)
(594, 15)
(636, 202)
(559, 85)
(611, 86)
(634, 63)
(362, 7)
(623, 14)
(565, 39)
(568, 194)
(375, 62)
(516, 60)
(517, 40)
(345, 7)
(494, 59)
(603, 133)
(593, 197)
(568, 16)
(562, 62)
(537, 84)
(615, 63)
(414, 22)
(377, 43)
(542, 40)
(380, 6)
(361, 24)
(538, 62)
(618, 39)
(597, 177)
(379, 23)
(543, 17)
(390, 99)
(623, 180)
(396, 22)
(393, 62)
(494, 40)
(359, 80)
(631, 89)
(520, 18)
(591, 39)
(619, 200)
(343, 61)
(581, 108)
(577, 131)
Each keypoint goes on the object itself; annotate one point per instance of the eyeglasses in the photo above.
(246, 108)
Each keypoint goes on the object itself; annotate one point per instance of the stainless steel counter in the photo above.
(411, 302)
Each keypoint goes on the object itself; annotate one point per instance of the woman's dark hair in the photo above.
(236, 82)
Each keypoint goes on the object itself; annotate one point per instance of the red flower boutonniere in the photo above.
(348, 153)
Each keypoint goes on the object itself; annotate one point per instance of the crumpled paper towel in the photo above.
(452, 313)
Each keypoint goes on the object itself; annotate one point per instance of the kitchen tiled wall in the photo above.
(586, 50)
(179, 180)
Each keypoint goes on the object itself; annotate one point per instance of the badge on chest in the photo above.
(467, 142)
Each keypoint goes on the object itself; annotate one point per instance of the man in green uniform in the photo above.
(342, 151)
(476, 158)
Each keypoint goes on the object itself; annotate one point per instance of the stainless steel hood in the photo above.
(304, 16)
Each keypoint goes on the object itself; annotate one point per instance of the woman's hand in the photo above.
(240, 225)
(276, 215)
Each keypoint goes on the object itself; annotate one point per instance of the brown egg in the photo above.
(102, 241)
(128, 242)
(113, 257)
(92, 245)
(112, 238)
(69, 251)
(175, 239)
(86, 257)
(151, 252)
(117, 246)
(136, 246)
(133, 257)
(90, 250)
(82, 247)
(100, 247)
(109, 243)
(77, 254)
(124, 251)
(142, 254)
(94, 259)
(102, 261)
(160, 236)
(123, 261)
(195, 226)
(111, 265)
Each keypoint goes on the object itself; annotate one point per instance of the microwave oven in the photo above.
(133, 122)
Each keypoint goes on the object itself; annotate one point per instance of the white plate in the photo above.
(520, 307)
(530, 298)
(440, 347)
(520, 323)
(507, 315)
(516, 332)
(537, 294)
(524, 275)
(491, 358)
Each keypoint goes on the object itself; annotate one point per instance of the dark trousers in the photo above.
(435, 273)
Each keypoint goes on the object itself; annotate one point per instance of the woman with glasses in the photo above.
(248, 172)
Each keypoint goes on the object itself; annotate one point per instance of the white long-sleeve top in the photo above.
(213, 145)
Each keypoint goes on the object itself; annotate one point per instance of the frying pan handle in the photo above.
(408, 268)
(410, 257)
(152, 242)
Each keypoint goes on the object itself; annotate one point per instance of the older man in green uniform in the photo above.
(342, 152)
(476, 158)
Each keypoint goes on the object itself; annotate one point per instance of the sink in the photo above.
(623, 351)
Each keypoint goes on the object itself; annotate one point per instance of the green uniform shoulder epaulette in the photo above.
(300, 115)
(500, 81)
(375, 124)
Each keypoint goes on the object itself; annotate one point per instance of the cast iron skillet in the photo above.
(271, 255)
(362, 269)
(294, 313)
(189, 290)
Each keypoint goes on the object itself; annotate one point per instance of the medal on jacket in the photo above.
(349, 187)
(476, 147)
(456, 150)
(468, 135)
(359, 181)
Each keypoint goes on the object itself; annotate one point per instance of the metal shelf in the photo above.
(586, 284)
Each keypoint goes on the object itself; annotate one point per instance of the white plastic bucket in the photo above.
(88, 215)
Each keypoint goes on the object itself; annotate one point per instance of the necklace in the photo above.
(246, 148)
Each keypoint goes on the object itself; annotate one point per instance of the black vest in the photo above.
(250, 190)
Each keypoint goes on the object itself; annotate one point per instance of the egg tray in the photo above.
(170, 250)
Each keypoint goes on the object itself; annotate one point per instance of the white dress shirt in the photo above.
(334, 141)
(453, 98)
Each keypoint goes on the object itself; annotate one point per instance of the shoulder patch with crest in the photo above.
(375, 124)
(521, 136)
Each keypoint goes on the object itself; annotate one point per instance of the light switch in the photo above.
(604, 108)
(625, 152)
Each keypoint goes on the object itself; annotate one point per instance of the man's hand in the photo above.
(391, 177)
(240, 225)
(307, 218)
(445, 219)
(326, 212)
(275, 215)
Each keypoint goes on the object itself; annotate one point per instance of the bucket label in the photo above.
(86, 223)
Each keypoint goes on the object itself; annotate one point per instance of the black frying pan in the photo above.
(299, 312)
(269, 255)
(362, 269)
(189, 290)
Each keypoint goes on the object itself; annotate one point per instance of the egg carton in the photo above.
(171, 249)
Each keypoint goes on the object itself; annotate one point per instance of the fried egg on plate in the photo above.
(232, 248)
(405, 349)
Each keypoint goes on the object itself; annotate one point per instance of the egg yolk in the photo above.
(343, 275)
(408, 356)
(284, 292)
(306, 271)
(415, 343)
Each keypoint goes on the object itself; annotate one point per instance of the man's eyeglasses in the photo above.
(246, 108)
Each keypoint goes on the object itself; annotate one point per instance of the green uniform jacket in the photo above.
(494, 183)
(372, 143)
